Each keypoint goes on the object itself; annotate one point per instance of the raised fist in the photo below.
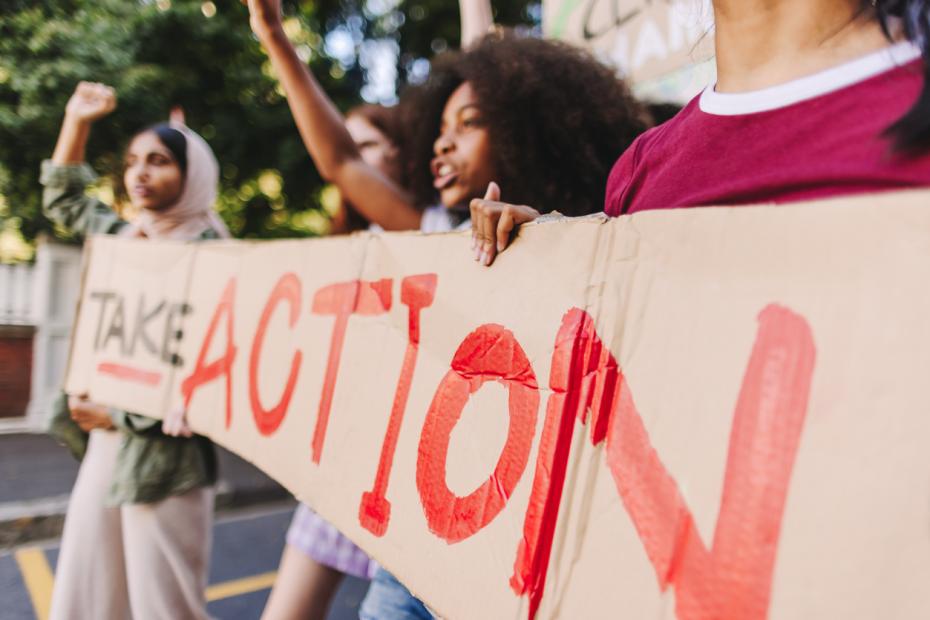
(264, 15)
(91, 101)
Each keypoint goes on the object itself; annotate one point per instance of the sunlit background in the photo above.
(203, 56)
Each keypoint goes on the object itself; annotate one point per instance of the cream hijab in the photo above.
(193, 213)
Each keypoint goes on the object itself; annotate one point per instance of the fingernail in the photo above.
(477, 252)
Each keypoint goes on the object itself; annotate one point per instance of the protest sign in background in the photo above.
(664, 48)
(697, 413)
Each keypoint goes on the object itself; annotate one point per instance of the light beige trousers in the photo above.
(142, 561)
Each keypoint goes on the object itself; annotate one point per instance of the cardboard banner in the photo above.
(704, 413)
(664, 48)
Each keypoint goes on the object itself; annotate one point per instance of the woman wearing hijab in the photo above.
(137, 534)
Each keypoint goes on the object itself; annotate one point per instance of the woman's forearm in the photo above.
(72, 141)
(322, 128)
(477, 19)
(321, 125)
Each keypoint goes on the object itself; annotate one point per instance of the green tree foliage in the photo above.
(202, 56)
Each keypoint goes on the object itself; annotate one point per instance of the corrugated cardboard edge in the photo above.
(86, 252)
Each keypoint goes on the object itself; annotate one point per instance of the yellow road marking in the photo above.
(37, 575)
(39, 580)
(241, 586)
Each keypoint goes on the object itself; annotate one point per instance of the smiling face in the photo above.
(462, 166)
(375, 148)
(152, 177)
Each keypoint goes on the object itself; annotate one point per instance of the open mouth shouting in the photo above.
(444, 174)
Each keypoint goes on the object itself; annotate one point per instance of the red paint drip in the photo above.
(583, 376)
(343, 299)
(374, 513)
(490, 353)
(129, 373)
(268, 420)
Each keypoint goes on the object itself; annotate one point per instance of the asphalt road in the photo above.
(246, 550)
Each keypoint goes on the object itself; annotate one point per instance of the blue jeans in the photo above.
(388, 599)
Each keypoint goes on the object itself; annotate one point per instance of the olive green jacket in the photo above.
(151, 465)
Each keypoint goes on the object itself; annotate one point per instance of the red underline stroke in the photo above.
(128, 373)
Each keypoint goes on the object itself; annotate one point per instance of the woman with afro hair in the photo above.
(813, 99)
(555, 120)
(533, 121)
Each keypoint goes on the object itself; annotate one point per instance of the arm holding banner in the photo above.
(89, 415)
(323, 130)
(493, 222)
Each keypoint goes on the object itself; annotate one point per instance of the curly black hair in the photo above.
(558, 120)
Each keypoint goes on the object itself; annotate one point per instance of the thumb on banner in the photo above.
(493, 192)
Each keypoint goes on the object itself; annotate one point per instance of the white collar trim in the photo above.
(822, 83)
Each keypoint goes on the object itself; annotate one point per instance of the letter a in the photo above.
(205, 373)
